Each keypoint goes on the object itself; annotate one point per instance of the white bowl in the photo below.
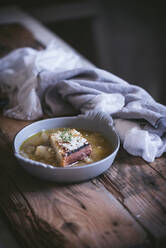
(98, 122)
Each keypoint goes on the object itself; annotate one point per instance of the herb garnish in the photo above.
(66, 136)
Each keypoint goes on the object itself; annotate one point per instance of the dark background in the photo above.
(126, 37)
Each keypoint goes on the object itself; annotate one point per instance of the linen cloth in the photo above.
(59, 82)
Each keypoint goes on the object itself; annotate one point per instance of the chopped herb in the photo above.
(65, 136)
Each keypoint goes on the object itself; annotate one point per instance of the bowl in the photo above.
(97, 122)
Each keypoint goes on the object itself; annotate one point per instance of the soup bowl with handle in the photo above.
(91, 121)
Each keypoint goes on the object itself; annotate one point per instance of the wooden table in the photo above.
(125, 207)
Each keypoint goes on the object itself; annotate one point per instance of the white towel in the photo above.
(57, 82)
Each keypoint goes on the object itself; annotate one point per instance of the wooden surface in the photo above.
(125, 207)
(9, 34)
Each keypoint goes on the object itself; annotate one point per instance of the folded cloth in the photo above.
(59, 82)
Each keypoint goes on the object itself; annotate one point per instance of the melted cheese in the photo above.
(70, 139)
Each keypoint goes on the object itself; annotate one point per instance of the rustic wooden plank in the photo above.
(159, 165)
(14, 35)
(144, 192)
(80, 215)
(28, 228)
(9, 127)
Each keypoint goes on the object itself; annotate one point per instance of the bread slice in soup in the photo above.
(70, 146)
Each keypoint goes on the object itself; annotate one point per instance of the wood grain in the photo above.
(80, 215)
(14, 35)
(144, 192)
(159, 165)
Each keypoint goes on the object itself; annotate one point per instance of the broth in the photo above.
(101, 148)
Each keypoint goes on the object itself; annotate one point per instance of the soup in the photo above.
(40, 148)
